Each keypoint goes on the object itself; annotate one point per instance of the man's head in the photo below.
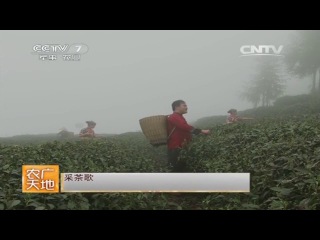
(179, 106)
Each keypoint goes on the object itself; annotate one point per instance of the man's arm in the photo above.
(183, 125)
(196, 131)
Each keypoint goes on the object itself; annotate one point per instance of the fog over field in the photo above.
(125, 76)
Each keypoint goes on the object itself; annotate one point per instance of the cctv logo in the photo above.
(50, 48)
(261, 50)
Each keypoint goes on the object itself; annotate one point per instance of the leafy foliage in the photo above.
(281, 155)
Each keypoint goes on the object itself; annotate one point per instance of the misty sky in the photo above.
(125, 76)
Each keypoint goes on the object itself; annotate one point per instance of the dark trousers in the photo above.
(176, 164)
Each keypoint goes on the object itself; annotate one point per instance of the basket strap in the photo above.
(171, 130)
(171, 133)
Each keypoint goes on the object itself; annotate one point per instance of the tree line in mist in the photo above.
(301, 60)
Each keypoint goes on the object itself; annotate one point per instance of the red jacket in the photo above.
(182, 133)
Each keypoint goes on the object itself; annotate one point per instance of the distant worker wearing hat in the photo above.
(233, 117)
(88, 131)
(179, 135)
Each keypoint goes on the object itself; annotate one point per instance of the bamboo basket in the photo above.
(155, 129)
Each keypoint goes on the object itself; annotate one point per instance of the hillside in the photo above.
(283, 107)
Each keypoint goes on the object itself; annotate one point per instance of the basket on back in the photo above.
(155, 129)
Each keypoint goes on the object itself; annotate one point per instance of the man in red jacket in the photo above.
(180, 134)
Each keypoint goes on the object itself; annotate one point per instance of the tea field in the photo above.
(282, 155)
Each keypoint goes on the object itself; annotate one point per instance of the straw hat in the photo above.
(90, 123)
(232, 110)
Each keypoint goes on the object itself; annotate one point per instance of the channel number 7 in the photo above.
(78, 48)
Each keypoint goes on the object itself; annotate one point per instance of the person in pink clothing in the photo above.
(233, 117)
(88, 131)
